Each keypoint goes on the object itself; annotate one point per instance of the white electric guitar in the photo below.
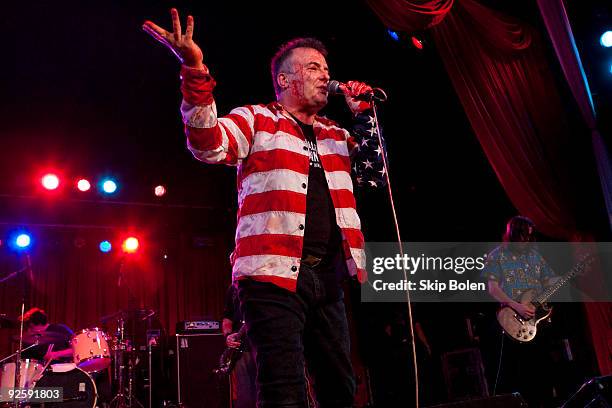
(523, 329)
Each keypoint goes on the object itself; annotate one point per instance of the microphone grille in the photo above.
(333, 87)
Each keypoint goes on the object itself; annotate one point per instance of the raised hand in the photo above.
(182, 45)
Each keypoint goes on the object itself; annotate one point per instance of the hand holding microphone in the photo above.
(358, 95)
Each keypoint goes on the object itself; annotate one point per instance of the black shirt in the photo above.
(231, 309)
(321, 234)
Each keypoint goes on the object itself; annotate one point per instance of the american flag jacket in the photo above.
(272, 159)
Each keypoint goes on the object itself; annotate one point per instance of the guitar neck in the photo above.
(560, 283)
(242, 332)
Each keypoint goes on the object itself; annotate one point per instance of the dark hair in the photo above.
(519, 229)
(285, 51)
(35, 317)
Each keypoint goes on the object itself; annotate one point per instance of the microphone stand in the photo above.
(16, 401)
(15, 353)
(13, 274)
(150, 357)
(373, 98)
(124, 398)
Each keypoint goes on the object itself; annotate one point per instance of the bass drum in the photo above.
(79, 388)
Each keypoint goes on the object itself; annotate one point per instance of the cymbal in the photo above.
(128, 314)
(46, 337)
(7, 322)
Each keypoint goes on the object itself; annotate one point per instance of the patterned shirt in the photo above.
(272, 159)
(517, 272)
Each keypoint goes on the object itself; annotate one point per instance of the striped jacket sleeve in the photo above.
(225, 140)
(366, 152)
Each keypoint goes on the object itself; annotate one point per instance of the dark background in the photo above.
(87, 93)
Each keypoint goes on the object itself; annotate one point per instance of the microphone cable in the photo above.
(401, 250)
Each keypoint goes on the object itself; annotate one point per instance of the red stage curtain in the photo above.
(503, 79)
(411, 15)
(560, 33)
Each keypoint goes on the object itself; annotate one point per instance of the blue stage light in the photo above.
(109, 186)
(23, 241)
(606, 39)
(105, 246)
(393, 34)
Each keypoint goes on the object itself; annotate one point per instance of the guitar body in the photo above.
(231, 355)
(525, 330)
(518, 327)
(229, 358)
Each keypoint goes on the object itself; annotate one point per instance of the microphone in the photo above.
(335, 88)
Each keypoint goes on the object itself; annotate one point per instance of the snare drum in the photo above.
(90, 350)
(29, 371)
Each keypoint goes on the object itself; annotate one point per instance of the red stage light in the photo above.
(418, 44)
(130, 245)
(50, 181)
(83, 185)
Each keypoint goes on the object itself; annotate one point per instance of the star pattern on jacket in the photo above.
(368, 168)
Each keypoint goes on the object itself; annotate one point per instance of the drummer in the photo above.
(53, 338)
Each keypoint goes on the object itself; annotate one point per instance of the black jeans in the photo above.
(288, 328)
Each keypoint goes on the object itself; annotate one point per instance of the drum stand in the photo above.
(125, 397)
(122, 400)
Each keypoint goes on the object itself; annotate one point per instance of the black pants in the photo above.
(288, 329)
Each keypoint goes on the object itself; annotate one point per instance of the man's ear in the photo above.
(282, 80)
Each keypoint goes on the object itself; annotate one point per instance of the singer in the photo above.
(298, 234)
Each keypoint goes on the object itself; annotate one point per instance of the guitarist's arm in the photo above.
(525, 310)
(230, 338)
(226, 326)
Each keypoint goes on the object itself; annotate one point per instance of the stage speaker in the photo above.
(197, 358)
(595, 393)
(500, 401)
(464, 374)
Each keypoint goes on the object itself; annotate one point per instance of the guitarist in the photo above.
(514, 270)
(242, 376)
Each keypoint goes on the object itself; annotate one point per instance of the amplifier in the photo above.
(197, 384)
(464, 374)
(198, 326)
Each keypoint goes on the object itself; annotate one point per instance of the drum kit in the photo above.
(94, 355)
